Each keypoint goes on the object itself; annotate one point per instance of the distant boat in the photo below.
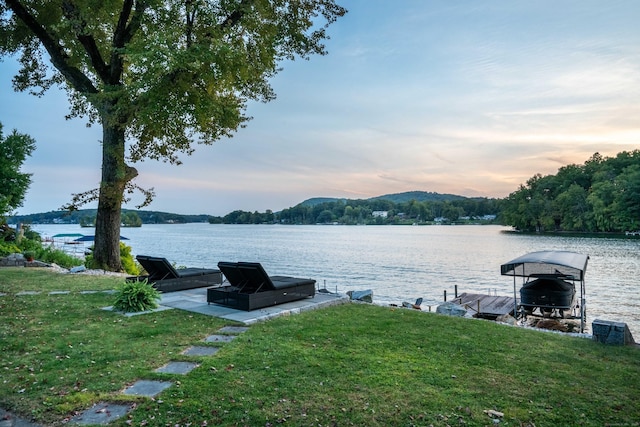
(92, 238)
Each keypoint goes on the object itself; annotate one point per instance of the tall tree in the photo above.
(14, 184)
(159, 76)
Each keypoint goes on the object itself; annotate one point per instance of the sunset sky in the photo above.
(463, 97)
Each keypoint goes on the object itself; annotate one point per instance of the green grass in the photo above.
(353, 364)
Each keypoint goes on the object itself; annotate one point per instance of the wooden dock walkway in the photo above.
(485, 306)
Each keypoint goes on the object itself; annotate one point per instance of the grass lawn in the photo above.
(349, 365)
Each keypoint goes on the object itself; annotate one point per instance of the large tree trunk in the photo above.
(115, 174)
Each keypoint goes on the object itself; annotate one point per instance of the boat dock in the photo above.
(485, 306)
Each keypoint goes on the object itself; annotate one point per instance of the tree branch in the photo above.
(237, 14)
(59, 57)
(124, 33)
(88, 42)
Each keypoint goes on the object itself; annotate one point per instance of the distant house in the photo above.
(380, 214)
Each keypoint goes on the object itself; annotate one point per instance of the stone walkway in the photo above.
(103, 413)
(193, 300)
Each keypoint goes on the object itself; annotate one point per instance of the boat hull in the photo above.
(547, 293)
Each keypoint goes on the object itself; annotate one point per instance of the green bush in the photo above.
(11, 243)
(128, 262)
(136, 297)
(50, 255)
(126, 258)
(8, 248)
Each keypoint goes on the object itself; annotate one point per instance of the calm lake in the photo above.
(399, 263)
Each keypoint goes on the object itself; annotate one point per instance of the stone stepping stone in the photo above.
(107, 291)
(101, 414)
(200, 351)
(147, 388)
(181, 368)
(28, 293)
(220, 338)
(59, 292)
(234, 329)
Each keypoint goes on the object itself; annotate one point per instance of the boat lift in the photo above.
(561, 264)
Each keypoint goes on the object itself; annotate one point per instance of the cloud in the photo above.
(468, 98)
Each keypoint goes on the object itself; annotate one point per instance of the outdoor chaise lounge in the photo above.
(165, 278)
(250, 287)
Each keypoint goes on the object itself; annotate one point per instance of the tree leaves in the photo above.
(14, 184)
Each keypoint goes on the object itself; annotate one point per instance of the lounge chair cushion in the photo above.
(161, 269)
(251, 277)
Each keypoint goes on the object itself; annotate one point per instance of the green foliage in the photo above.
(131, 219)
(347, 211)
(52, 255)
(87, 217)
(129, 264)
(8, 248)
(15, 149)
(163, 76)
(136, 296)
(30, 243)
(603, 195)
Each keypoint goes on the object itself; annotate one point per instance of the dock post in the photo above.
(455, 289)
(445, 295)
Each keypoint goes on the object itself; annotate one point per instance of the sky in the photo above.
(467, 97)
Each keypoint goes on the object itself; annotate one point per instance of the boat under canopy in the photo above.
(555, 263)
(550, 279)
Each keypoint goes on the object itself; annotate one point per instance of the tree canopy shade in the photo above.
(14, 184)
(158, 76)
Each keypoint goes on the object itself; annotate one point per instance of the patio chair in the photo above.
(250, 287)
(165, 278)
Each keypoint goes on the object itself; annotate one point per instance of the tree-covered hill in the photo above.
(602, 195)
(377, 210)
(418, 196)
(88, 216)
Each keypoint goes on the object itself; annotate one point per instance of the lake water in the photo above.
(399, 263)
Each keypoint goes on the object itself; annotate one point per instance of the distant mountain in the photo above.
(319, 200)
(418, 196)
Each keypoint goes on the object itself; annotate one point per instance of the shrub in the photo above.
(136, 296)
(126, 258)
(128, 262)
(58, 256)
(8, 248)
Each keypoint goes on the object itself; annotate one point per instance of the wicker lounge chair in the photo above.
(165, 278)
(250, 287)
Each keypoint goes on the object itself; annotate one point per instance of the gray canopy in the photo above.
(563, 263)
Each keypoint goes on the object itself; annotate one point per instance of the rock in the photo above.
(366, 296)
(451, 309)
(506, 318)
(551, 324)
(78, 269)
(493, 413)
